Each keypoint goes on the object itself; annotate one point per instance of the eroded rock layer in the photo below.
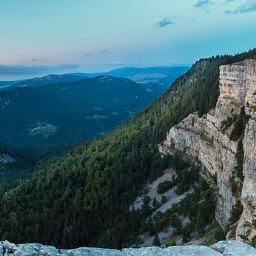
(206, 140)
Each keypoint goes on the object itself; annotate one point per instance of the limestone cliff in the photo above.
(206, 141)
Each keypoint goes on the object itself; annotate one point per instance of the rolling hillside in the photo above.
(52, 114)
(46, 80)
(155, 79)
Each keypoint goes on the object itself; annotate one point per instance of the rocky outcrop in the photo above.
(206, 141)
(6, 155)
(199, 140)
(227, 248)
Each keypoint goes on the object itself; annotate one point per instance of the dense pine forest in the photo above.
(83, 197)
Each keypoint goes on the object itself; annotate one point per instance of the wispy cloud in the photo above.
(35, 60)
(93, 53)
(202, 3)
(164, 22)
(247, 6)
(34, 70)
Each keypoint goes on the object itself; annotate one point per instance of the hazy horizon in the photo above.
(42, 37)
(53, 70)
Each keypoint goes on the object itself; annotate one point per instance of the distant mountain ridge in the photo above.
(45, 80)
(74, 111)
(143, 73)
(162, 75)
(157, 79)
(5, 84)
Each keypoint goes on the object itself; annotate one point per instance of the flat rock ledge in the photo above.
(226, 248)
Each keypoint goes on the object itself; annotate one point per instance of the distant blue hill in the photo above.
(70, 112)
(4, 84)
(45, 80)
(156, 79)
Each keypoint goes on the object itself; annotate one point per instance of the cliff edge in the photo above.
(223, 143)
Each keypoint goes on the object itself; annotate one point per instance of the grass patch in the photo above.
(42, 129)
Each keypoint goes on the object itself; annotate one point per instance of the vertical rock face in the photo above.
(206, 140)
(232, 92)
(199, 140)
(249, 170)
(250, 70)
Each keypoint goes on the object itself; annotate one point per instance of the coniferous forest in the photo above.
(83, 197)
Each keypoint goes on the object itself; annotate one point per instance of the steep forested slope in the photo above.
(83, 197)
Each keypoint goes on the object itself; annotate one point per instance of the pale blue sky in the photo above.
(99, 35)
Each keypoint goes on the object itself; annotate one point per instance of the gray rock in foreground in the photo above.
(225, 248)
(234, 248)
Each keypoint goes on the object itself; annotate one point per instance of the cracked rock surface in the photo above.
(225, 248)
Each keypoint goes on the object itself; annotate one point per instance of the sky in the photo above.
(38, 37)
